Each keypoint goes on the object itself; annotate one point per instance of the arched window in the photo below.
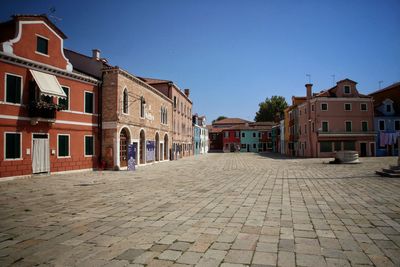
(166, 116)
(125, 102)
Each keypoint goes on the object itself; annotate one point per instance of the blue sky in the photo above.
(234, 54)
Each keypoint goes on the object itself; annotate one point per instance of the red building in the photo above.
(49, 118)
(231, 139)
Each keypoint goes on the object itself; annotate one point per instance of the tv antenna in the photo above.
(52, 15)
(380, 84)
(309, 77)
(333, 79)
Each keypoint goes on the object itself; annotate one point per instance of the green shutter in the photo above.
(89, 146)
(13, 146)
(64, 101)
(42, 45)
(88, 102)
(63, 145)
(13, 89)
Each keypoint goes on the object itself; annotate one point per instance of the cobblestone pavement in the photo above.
(214, 210)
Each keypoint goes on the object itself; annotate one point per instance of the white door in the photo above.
(40, 153)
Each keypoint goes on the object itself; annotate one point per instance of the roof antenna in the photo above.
(309, 77)
(380, 84)
(51, 15)
(333, 79)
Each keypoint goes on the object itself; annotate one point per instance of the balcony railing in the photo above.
(43, 109)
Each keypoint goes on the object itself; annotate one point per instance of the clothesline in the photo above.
(388, 138)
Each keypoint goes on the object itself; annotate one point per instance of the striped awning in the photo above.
(48, 84)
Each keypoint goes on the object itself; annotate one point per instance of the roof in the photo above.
(331, 92)
(8, 28)
(230, 121)
(390, 87)
(86, 64)
(153, 80)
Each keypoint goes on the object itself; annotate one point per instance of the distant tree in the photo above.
(270, 108)
(219, 118)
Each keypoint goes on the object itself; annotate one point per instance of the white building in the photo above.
(203, 135)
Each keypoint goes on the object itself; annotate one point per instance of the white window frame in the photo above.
(344, 90)
(362, 126)
(345, 126)
(20, 146)
(351, 107)
(69, 98)
(84, 102)
(5, 89)
(69, 147)
(327, 106)
(48, 41)
(123, 102)
(84, 146)
(366, 107)
(379, 125)
(322, 126)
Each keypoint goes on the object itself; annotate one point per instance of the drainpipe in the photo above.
(100, 117)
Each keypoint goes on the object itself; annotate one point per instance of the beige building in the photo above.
(134, 113)
(182, 128)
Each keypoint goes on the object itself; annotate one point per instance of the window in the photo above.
(349, 145)
(312, 107)
(89, 102)
(324, 106)
(397, 125)
(174, 101)
(364, 126)
(42, 45)
(346, 89)
(125, 102)
(243, 135)
(269, 134)
(305, 128)
(64, 101)
(89, 146)
(363, 107)
(12, 146)
(259, 135)
(254, 134)
(13, 89)
(142, 102)
(312, 127)
(254, 146)
(243, 145)
(237, 134)
(388, 108)
(347, 106)
(325, 146)
(226, 134)
(348, 126)
(325, 126)
(338, 145)
(381, 125)
(63, 145)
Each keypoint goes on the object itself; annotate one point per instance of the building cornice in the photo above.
(136, 80)
(19, 61)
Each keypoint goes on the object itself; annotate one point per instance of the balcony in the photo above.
(44, 110)
(345, 134)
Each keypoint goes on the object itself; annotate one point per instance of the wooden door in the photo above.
(123, 148)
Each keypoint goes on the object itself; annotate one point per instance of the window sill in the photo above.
(13, 159)
(12, 104)
(39, 53)
(66, 157)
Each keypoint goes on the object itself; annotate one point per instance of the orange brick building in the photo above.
(49, 118)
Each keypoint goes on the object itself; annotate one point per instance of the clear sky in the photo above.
(234, 54)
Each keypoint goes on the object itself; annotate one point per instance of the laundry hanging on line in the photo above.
(388, 138)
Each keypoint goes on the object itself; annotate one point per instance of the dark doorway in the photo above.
(372, 149)
(363, 149)
(123, 148)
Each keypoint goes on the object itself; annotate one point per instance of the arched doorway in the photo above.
(166, 147)
(123, 147)
(157, 147)
(142, 147)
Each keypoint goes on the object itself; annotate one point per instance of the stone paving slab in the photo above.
(211, 210)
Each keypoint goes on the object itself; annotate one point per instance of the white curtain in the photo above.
(40, 155)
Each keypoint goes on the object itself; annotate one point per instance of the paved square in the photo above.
(212, 210)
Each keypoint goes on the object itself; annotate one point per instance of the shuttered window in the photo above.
(63, 145)
(13, 145)
(89, 102)
(13, 89)
(64, 101)
(89, 146)
(42, 45)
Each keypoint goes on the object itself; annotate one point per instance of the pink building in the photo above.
(339, 118)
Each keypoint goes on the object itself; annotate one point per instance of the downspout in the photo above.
(100, 119)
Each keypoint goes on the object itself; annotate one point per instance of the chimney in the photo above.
(309, 90)
(96, 54)
(187, 92)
